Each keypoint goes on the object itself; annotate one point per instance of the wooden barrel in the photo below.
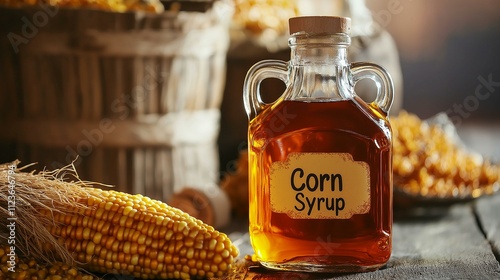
(131, 99)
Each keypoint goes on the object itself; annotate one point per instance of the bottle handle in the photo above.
(256, 74)
(383, 82)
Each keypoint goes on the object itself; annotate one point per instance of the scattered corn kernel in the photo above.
(28, 268)
(428, 162)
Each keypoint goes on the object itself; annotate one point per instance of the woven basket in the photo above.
(131, 98)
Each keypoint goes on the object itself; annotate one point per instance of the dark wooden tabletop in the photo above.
(458, 242)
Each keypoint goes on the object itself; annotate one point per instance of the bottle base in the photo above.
(305, 266)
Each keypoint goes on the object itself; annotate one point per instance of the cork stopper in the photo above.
(320, 24)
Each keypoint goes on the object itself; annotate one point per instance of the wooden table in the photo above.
(459, 242)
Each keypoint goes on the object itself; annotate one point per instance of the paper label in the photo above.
(320, 186)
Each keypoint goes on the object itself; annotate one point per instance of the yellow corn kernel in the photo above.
(28, 268)
(428, 162)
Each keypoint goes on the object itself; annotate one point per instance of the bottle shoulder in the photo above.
(293, 116)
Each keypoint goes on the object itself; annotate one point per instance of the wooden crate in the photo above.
(131, 98)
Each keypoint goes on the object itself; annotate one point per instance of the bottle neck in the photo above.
(319, 67)
(307, 50)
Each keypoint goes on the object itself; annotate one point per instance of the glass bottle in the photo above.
(320, 158)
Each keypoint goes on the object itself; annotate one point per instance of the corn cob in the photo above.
(114, 232)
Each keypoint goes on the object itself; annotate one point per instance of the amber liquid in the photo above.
(360, 243)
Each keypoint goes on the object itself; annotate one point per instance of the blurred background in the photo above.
(446, 50)
(444, 47)
(444, 56)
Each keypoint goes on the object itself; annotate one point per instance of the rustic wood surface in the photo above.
(488, 213)
(460, 242)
